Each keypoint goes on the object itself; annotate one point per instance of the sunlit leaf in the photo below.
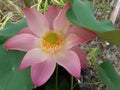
(82, 14)
(111, 36)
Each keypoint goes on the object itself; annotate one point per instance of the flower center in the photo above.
(52, 42)
(51, 37)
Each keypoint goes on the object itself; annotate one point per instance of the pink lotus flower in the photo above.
(50, 39)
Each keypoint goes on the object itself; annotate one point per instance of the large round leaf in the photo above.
(81, 13)
(11, 29)
(11, 78)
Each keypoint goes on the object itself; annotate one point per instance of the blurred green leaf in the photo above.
(11, 29)
(109, 76)
(10, 76)
(82, 14)
(111, 36)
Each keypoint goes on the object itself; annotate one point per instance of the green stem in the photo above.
(72, 79)
(56, 78)
(45, 5)
(27, 3)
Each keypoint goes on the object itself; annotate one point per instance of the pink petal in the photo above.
(70, 61)
(32, 57)
(42, 72)
(82, 56)
(26, 30)
(61, 22)
(83, 33)
(51, 13)
(73, 40)
(23, 42)
(36, 21)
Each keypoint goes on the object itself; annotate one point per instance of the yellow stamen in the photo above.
(52, 42)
